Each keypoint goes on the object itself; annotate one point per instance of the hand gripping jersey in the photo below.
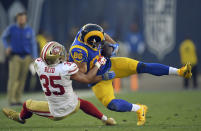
(80, 52)
(57, 86)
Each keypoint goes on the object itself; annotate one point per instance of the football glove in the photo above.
(108, 75)
(115, 49)
(101, 61)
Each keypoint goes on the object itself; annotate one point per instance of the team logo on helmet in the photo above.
(56, 50)
(92, 35)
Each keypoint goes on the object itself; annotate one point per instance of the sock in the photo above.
(152, 68)
(104, 118)
(119, 105)
(25, 113)
(20, 118)
(90, 109)
(173, 71)
(135, 107)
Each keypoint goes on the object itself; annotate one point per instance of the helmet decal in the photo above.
(56, 50)
(93, 33)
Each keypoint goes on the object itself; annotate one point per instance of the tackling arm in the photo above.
(82, 66)
(90, 77)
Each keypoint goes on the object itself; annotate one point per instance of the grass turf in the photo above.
(168, 111)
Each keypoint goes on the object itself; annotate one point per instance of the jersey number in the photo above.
(50, 81)
(77, 55)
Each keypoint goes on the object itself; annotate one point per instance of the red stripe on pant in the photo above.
(90, 109)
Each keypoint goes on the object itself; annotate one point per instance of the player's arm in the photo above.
(82, 66)
(110, 47)
(91, 77)
(109, 39)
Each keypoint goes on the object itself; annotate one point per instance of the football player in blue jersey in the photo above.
(86, 50)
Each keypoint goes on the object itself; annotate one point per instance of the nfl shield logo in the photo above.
(159, 23)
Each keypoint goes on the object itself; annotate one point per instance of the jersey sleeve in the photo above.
(78, 54)
(69, 68)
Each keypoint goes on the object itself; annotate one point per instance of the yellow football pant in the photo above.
(123, 67)
(41, 108)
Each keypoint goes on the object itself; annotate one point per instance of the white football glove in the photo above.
(101, 61)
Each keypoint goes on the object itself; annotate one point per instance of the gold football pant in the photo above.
(18, 69)
(41, 108)
(122, 67)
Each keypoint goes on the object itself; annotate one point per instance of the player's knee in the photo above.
(132, 65)
(141, 67)
(114, 105)
(106, 100)
(119, 105)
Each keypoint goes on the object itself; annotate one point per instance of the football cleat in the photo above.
(185, 71)
(13, 115)
(141, 114)
(110, 122)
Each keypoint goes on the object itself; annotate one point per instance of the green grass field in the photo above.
(177, 111)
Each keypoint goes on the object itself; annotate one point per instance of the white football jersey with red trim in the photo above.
(57, 86)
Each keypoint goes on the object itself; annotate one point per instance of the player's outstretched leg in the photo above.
(120, 105)
(29, 108)
(16, 116)
(90, 109)
(160, 69)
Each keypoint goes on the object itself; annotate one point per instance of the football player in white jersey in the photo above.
(55, 74)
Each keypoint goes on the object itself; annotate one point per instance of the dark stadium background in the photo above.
(58, 16)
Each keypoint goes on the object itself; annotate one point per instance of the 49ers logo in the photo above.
(56, 50)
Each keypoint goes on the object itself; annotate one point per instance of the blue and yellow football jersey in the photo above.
(122, 67)
(80, 52)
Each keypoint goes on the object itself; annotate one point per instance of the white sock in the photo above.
(104, 118)
(173, 71)
(135, 107)
(20, 118)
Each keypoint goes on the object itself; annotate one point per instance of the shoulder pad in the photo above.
(79, 53)
(69, 68)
